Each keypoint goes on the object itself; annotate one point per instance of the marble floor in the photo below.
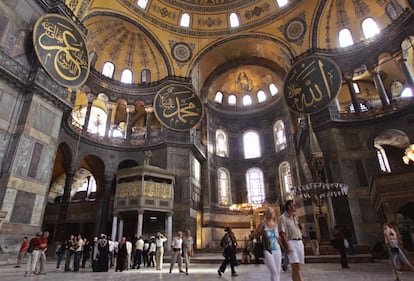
(377, 271)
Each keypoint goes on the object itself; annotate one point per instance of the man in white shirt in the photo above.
(176, 248)
(187, 248)
(139, 247)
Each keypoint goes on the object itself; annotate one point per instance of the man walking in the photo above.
(314, 241)
(187, 249)
(176, 247)
(291, 237)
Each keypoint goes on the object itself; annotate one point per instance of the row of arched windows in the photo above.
(251, 141)
(254, 183)
(127, 76)
(185, 19)
(247, 99)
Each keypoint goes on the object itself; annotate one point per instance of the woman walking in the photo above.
(229, 245)
(268, 230)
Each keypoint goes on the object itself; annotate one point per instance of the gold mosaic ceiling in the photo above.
(269, 36)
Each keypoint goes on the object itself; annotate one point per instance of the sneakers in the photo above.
(234, 274)
(219, 272)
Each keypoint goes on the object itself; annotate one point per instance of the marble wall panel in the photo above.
(8, 202)
(23, 207)
(7, 105)
(44, 121)
(38, 210)
(23, 156)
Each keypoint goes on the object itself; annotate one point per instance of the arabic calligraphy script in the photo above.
(312, 84)
(178, 107)
(61, 50)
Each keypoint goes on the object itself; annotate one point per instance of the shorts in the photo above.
(297, 254)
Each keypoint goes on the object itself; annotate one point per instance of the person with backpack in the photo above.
(229, 245)
(33, 254)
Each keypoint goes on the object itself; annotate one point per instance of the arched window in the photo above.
(251, 145)
(406, 93)
(98, 115)
(234, 20)
(142, 4)
(285, 178)
(273, 89)
(219, 97)
(261, 96)
(356, 87)
(145, 76)
(224, 188)
(383, 160)
(255, 186)
(126, 76)
(345, 38)
(222, 145)
(108, 69)
(232, 100)
(282, 3)
(185, 20)
(279, 135)
(247, 100)
(370, 28)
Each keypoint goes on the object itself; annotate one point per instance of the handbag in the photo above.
(259, 247)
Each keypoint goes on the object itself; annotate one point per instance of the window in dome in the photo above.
(126, 76)
(142, 4)
(282, 3)
(222, 145)
(232, 100)
(356, 87)
(279, 135)
(247, 100)
(345, 38)
(273, 89)
(261, 96)
(255, 186)
(383, 160)
(234, 20)
(224, 188)
(370, 28)
(362, 106)
(406, 93)
(219, 97)
(285, 178)
(108, 69)
(145, 76)
(251, 144)
(185, 20)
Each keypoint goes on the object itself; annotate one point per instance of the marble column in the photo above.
(406, 70)
(64, 205)
(106, 194)
(140, 222)
(120, 229)
(168, 228)
(379, 85)
(130, 109)
(90, 98)
(111, 108)
(354, 97)
(148, 110)
(114, 227)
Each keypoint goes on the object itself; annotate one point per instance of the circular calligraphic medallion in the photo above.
(177, 107)
(181, 52)
(295, 29)
(61, 50)
(312, 84)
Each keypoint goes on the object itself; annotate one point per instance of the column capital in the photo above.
(111, 105)
(90, 98)
(149, 109)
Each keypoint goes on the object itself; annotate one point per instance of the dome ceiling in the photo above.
(152, 38)
(122, 43)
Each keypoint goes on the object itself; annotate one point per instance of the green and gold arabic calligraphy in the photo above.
(69, 53)
(180, 104)
(305, 90)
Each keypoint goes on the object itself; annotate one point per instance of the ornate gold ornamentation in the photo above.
(157, 190)
(61, 50)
